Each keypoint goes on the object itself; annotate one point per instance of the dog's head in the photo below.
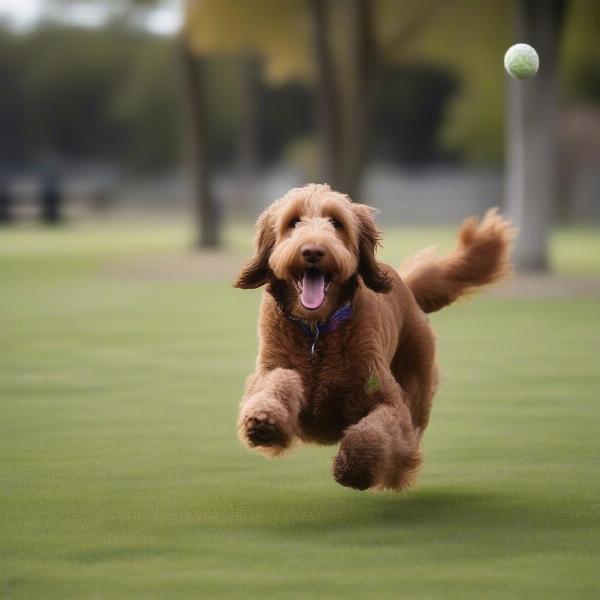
(311, 245)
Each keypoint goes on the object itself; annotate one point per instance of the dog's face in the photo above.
(311, 245)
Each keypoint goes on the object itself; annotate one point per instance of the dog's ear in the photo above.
(368, 240)
(256, 271)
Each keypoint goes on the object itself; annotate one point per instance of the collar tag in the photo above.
(315, 329)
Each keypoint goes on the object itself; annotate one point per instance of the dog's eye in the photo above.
(293, 223)
(336, 224)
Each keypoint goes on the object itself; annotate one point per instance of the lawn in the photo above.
(121, 476)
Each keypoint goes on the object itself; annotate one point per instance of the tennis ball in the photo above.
(521, 61)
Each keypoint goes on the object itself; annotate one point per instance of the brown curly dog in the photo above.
(346, 351)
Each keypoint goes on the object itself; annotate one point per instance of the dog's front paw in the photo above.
(265, 425)
(262, 430)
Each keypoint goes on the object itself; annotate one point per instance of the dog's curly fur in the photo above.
(371, 382)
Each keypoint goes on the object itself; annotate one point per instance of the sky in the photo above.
(21, 15)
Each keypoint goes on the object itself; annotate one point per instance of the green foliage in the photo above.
(464, 37)
(223, 91)
(147, 104)
(411, 107)
(13, 115)
(90, 94)
(122, 476)
(278, 31)
(111, 93)
(470, 39)
(286, 114)
(580, 59)
(283, 112)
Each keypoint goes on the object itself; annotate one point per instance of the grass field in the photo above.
(121, 475)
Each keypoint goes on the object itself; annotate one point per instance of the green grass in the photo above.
(121, 475)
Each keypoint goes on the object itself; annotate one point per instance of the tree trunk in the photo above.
(345, 136)
(248, 146)
(531, 179)
(195, 123)
(51, 194)
(328, 100)
(6, 205)
(358, 130)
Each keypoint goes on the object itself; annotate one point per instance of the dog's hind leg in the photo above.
(414, 368)
(268, 419)
(382, 449)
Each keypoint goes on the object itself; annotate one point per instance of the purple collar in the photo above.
(332, 324)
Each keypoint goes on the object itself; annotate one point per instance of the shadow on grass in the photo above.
(446, 524)
(466, 520)
(428, 507)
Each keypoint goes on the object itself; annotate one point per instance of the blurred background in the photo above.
(206, 111)
(139, 141)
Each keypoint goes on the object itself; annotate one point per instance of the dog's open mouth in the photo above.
(313, 288)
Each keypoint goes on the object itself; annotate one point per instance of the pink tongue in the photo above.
(313, 290)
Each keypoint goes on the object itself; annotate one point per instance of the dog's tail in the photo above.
(481, 257)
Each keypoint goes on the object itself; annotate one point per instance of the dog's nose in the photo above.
(313, 254)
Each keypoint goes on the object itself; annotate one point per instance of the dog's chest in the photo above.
(339, 388)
